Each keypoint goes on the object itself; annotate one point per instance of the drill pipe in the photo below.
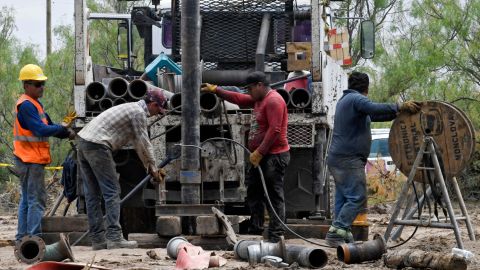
(119, 101)
(137, 89)
(285, 95)
(117, 87)
(362, 251)
(105, 104)
(301, 98)
(95, 91)
(175, 102)
(253, 251)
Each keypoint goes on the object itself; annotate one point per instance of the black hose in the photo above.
(267, 197)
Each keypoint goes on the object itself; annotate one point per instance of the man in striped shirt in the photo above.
(108, 132)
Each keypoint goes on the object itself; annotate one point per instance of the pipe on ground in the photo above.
(362, 251)
(254, 251)
(32, 249)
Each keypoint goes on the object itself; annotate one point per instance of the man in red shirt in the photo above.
(268, 142)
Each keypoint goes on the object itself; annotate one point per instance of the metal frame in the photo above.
(428, 148)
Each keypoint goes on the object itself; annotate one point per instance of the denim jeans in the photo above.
(350, 195)
(273, 168)
(32, 198)
(100, 178)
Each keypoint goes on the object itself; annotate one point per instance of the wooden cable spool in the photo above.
(449, 127)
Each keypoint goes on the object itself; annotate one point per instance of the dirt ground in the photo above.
(426, 239)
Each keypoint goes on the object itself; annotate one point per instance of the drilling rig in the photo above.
(219, 42)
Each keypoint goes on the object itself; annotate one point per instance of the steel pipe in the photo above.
(254, 251)
(210, 104)
(285, 95)
(176, 103)
(262, 43)
(32, 249)
(306, 256)
(105, 104)
(119, 101)
(300, 98)
(137, 89)
(174, 244)
(362, 251)
(117, 87)
(95, 91)
(225, 77)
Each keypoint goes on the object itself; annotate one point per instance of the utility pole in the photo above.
(49, 27)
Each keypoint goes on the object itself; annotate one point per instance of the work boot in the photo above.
(349, 237)
(122, 243)
(336, 237)
(99, 245)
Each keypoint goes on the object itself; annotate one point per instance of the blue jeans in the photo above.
(100, 177)
(32, 198)
(350, 195)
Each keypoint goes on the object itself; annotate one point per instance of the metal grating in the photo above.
(230, 31)
(300, 135)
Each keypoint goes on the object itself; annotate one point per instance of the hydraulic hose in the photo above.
(266, 194)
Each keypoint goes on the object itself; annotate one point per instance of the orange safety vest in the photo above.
(26, 146)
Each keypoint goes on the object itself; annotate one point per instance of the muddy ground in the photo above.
(426, 239)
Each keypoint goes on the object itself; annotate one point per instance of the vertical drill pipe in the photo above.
(262, 43)
(117, 87)
(191, 77)
(95, 91)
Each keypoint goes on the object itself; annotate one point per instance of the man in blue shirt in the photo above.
(349, 151)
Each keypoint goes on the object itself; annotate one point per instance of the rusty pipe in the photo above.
(117, 87)
(300, 98)
(285, 95)
(362, 251)
(105, 104)
(95, 91)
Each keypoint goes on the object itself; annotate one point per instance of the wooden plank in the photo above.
(65, 224)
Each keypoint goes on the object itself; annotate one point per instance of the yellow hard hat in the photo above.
(31, 72)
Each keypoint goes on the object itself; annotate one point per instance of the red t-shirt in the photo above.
(268, 130)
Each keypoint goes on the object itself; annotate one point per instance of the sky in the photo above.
(30, 19)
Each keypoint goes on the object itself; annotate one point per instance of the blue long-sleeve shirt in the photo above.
(352, 137)
(29, 118)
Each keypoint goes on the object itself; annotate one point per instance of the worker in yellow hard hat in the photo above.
(31, 149)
